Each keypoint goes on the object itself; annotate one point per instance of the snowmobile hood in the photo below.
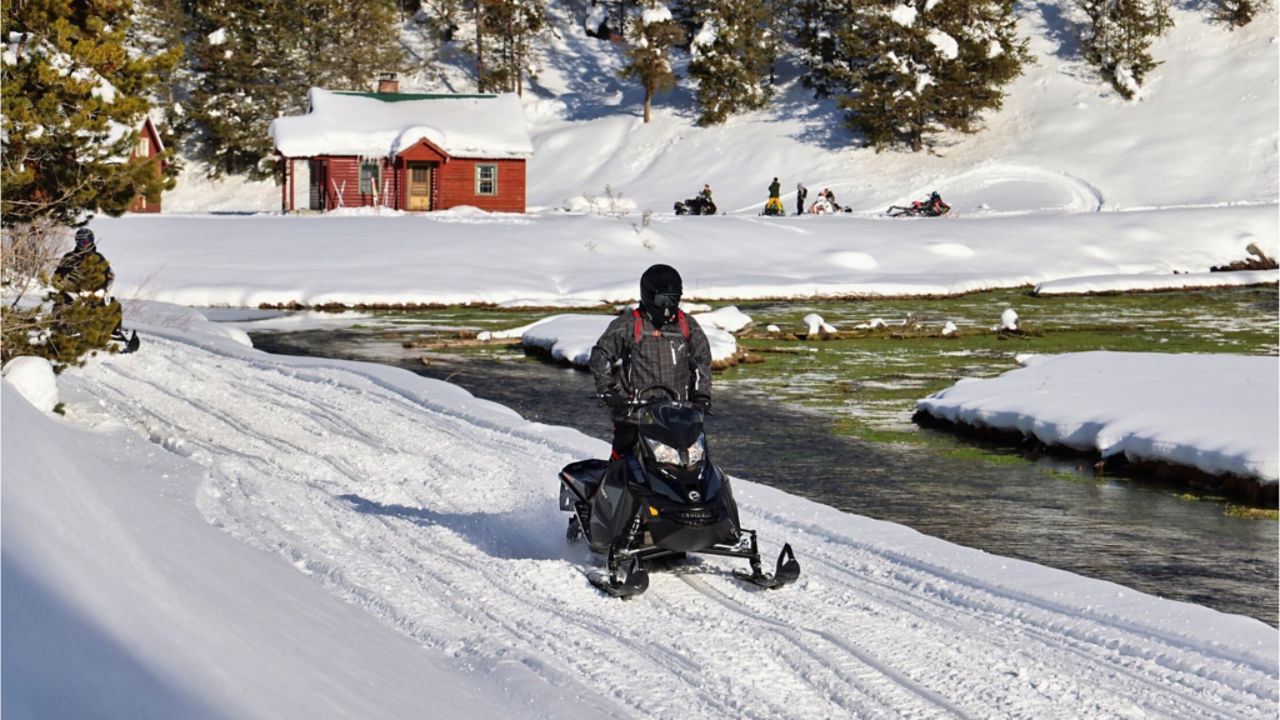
(671, 423)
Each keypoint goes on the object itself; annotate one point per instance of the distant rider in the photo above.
(655, 344)
(84, 269)
(85, 274)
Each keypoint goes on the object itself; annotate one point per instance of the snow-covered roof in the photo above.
(376, 125)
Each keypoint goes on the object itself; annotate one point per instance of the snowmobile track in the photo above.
(888, 681)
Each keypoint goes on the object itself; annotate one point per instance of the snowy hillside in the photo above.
(1204, 134)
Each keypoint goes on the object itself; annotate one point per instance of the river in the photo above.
(1143, 536)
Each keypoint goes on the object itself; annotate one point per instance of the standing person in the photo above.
(654, 345)
(802, 192)
(774, 205)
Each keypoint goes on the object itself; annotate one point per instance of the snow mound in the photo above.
(33, 378)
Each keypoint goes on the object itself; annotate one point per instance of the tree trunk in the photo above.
(479, 46)
(648, 96)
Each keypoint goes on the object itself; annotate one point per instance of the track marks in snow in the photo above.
(442, 521)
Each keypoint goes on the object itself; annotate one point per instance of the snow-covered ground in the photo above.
(216, 532)
(211, 531)
(1144, 406)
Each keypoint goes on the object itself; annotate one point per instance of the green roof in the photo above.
(401, 97)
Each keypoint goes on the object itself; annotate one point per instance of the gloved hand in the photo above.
(615, 400)
(703, 404)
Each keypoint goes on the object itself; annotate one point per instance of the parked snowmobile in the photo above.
(933, 207)
(696, 206)
(666, 500)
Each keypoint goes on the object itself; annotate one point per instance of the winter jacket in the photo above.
(662, 357)
(775, 189)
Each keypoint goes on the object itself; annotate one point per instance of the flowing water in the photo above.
(1143, 536)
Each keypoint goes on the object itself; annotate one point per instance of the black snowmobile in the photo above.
(933, 207)
(666, 500)
(696, 206)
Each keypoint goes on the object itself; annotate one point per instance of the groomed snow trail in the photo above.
(437, 513)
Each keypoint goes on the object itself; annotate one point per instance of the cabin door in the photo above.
(318, 194)
(419, 186)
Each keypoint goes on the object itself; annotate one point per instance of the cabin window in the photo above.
(486, 179)
(144, 146)
(370, 177)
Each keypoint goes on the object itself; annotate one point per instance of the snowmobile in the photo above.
(774, 208)
(696, 206)
(933, 207)
(665, 500)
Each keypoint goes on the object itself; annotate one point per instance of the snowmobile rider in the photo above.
(85, 273)
(655, 344)
(706, 193)
(75, 268)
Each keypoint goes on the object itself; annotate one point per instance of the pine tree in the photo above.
(652, 35)
(1237, 13)
(73, 101)
(505, 35)
(731, 57)
(254, 60)
(1118, 37)
(808, 27)
(913, 70)
(989, 55)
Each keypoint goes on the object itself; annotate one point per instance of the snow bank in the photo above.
(1125, 283)
(565, 260)
(1148, 406)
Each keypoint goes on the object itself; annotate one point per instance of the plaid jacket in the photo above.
(662, 356)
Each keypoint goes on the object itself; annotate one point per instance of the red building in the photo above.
(149, 146)
(404, 151)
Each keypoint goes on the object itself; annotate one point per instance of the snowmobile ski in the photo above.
(127, 345)
(631, 583)
(787, 571)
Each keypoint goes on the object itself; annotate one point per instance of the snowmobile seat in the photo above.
(580, 480)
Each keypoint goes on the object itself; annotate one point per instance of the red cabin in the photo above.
(404, 151)
(149, 146)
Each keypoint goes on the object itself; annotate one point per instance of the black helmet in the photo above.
(84, 238)
(660, 290)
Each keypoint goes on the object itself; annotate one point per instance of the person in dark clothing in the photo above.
(775, 189)
(84, 269)
(802, 192)
(655, 344)
(83, 274)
